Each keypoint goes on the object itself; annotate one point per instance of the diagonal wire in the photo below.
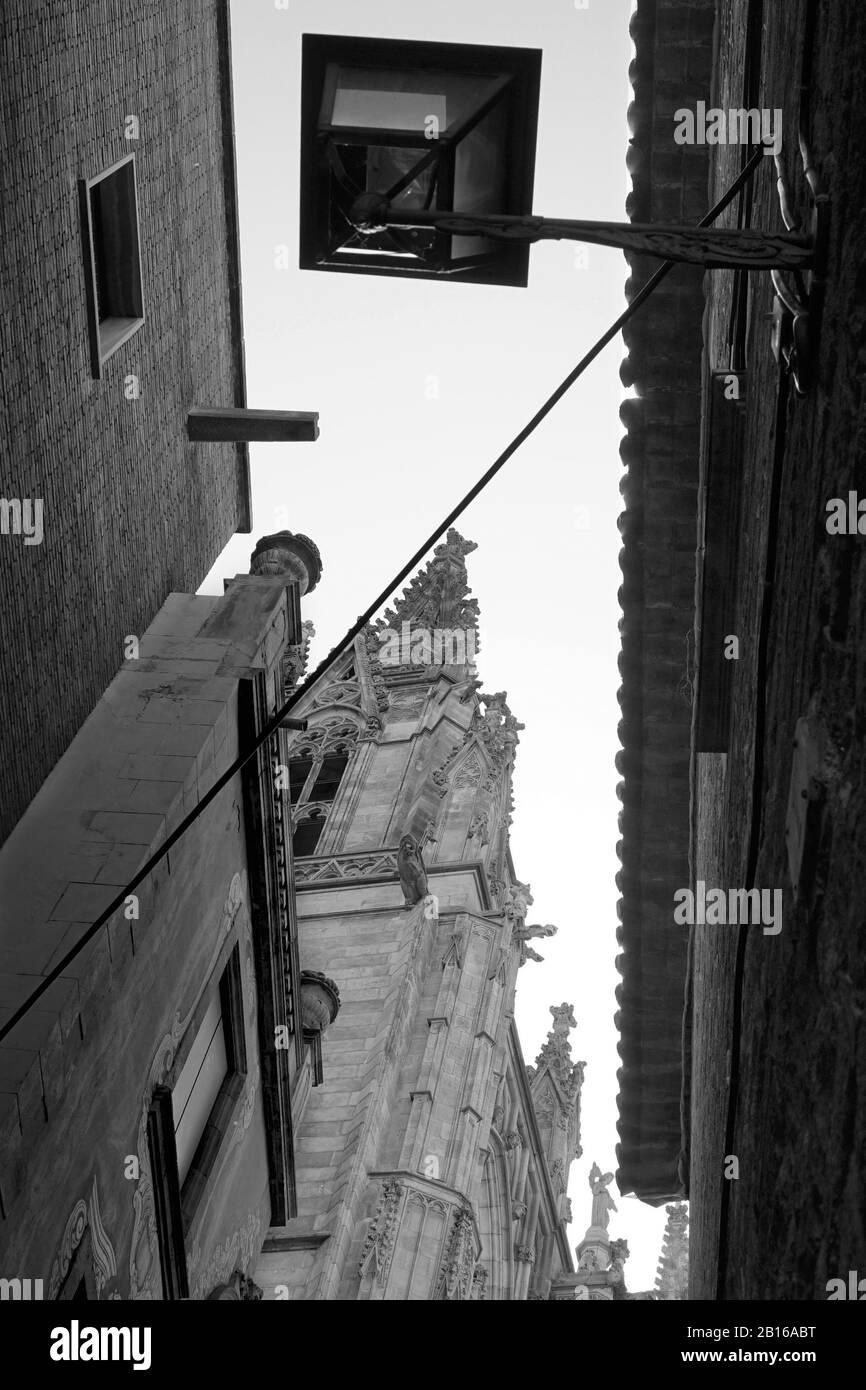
(360, 623)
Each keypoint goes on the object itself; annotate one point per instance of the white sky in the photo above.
(419, 386)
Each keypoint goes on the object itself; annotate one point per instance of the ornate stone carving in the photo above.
(524, 1253)
(556, 1053)
(520, 935)
(438, 597)
(348, 866)
(374, 667)
(519, 902)
(327, 737)
(237, 1252)
(672, 1275)
(469, 773)
(294, 660)
(619, 1252)
(478, 835)
(320, 1001)
(290, 554)
(73, 1235)
(372, 729)
(459, 1265)
(238, 1288)
(440, 781)
(497, 727)
(84, 1215)
(479, 1285)
(413, 875)
(379, 1242)
(340, 692)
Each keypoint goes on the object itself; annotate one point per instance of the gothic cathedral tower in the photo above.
(430, 1162)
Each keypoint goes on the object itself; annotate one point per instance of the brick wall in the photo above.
(131, 510)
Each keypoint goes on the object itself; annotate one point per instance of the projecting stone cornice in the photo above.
(379, 867)
(660, 449)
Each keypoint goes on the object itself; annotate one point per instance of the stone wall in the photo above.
(77, 1073)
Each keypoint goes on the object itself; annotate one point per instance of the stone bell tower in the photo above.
(423, 1171)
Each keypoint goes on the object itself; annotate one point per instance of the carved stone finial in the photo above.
(672, 1276)
(563, 1014)
(556, 1052)
(292, 555)
(320, 1001)
(438, 597)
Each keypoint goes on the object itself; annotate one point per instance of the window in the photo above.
(187, 1122)
(166, 1196)
(196, 1089)
(207, 1089)
(109, 214)
(316, 767)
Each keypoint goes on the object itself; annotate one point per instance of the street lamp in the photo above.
(418, 159)
(415, 131)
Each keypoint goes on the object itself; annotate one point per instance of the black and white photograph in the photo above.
(433, 681)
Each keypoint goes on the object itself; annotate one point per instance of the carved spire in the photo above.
(437, 599)
(555, 1054)
(555, 1083)
(672, 1275)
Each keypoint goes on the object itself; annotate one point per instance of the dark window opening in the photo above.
(112, 260)
(329, 778)
(307, 836)
(299, 771)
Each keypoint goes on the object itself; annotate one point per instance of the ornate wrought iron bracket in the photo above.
(714, 248)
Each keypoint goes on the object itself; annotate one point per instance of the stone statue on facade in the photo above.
(602, 1202)
(411, 871)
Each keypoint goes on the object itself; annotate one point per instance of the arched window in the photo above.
(317, 763)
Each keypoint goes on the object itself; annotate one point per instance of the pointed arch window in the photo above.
(317, 766)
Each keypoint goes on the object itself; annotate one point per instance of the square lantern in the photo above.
(430, 127)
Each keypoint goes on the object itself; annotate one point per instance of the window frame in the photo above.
(326, 742)
(105, 340)
(176, 1203)
(166, 1195)
(218, 1123)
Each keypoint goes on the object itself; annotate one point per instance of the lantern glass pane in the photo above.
(422, 100)
(479, 176)
(388, 165)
